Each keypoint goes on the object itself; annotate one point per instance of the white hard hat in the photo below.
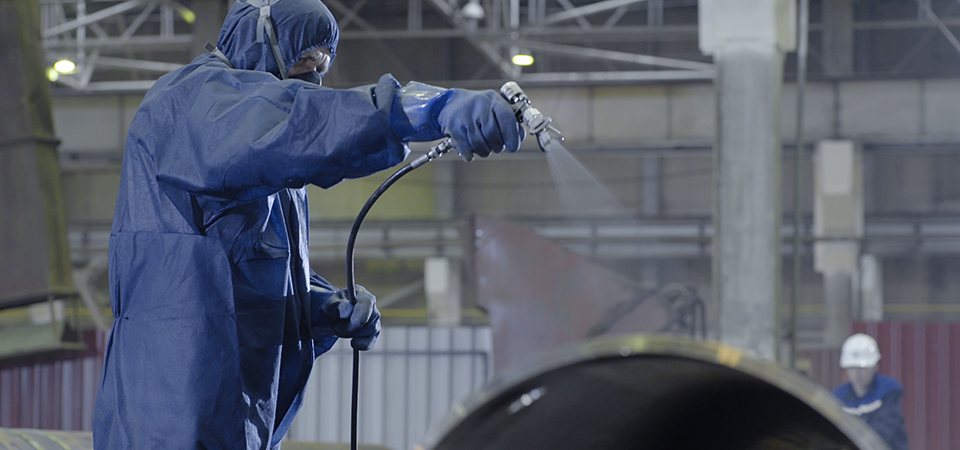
(859, 350)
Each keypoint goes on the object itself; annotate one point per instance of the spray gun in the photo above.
(533, 121)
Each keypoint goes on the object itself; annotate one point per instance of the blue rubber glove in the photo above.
(360, 321)
(477, 122)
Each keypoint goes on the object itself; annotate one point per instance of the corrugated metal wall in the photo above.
(54, 391)
(925, 358)
(410, 379)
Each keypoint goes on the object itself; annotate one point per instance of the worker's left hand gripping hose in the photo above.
(360, 321)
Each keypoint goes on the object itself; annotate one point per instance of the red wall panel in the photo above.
(52, 391)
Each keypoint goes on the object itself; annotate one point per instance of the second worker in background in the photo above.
(872, 396)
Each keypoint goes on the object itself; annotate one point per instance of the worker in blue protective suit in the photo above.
(869, 395)
(218, 317)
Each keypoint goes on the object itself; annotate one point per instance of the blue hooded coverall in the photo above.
(216, 325)
(879, 408)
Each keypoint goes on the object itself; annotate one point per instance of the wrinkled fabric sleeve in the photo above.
(238, 134)
(888, 422)
(321, 327)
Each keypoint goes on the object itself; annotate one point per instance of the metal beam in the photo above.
(890, 25)
(387, 51)
(615, 17)
(618, 76)
(138, 86)
(89, 64)
(135, 25)
(616, 33)
(136, 42)
(626, 33)
(400, 294)
(943, 27)
(655, 13)
(444, 33)
(485, 48)
(137, 64)
(920, 43)
(98, 30)
(351, 14)
(567, 6)
(604, 237)
(414, 15)
(585, 52)
(91, 18)
(585, 10)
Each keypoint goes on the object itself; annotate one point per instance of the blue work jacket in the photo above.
(879, 408)
(216, 326)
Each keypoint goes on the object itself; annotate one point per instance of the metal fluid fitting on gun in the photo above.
(434, 153)
(532, 119)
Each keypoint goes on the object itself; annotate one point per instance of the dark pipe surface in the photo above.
(34, 439)
(651, 392)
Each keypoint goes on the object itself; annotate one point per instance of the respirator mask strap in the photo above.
(265, 27)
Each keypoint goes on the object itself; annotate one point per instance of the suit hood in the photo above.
(301, 26)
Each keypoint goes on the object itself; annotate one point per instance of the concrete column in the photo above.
(870, 295)
(837, 296)
(441, 284)
(746, 264)
(654, 13)
(650, 191)
(838, 222)
(838, 38)
(747, 39)
(34, 255)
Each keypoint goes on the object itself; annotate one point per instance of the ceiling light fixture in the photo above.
(65, 66)
(522, 58)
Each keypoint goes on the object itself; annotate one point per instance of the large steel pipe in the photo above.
(33, 439)
(651, 392)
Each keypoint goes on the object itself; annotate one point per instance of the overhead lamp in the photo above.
(52, 74)
(473, 10)
(522, 57)
(186, 13)
(65, 66)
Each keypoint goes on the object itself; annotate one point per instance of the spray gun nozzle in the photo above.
(532, 119)
(549, 137)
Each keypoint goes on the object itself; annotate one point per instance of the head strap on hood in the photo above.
(265, 26)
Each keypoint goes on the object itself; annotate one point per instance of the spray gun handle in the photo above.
(526, 114)
(511, 92)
